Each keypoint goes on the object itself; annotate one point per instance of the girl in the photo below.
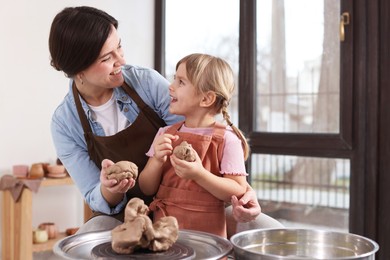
(195, 192)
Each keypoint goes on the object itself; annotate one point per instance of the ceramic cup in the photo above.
(50, 228)
(56, 169)
(40, 236)
(71, 231)
(36, 171)
(20, 170)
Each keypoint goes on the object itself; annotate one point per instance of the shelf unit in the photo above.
(17, 224)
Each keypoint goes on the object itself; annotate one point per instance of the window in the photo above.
(294, 98)
(205, 30)
(298, 66)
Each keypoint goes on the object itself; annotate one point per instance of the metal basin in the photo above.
(299, 244)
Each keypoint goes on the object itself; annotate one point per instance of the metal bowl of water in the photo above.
(299, 244)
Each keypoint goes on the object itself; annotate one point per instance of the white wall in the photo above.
(30, 89)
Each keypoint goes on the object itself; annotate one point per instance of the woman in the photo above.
(112, 111)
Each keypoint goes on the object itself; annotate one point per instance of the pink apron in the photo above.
(194, 207)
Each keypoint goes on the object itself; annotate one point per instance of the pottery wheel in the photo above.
(176, 251)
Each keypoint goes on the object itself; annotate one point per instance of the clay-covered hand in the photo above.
(247, 208)
(162, 146)
(188, 170)
(111, 184)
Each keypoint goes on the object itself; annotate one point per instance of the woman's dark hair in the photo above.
(77, 36)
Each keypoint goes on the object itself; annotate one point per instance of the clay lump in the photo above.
(138, 231)
(122, 170)
(184, 151)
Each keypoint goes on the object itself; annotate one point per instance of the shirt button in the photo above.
(124, 98)
(126, 109)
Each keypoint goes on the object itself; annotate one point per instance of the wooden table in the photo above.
(17, 240)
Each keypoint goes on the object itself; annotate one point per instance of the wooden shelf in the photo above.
(56, 181)
(17, 239)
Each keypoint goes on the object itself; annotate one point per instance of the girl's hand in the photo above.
(163, 146)
(187, 170)
(112, 185)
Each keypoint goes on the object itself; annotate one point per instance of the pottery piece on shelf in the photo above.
(50, 228)
(36, 171)
(20, 170)
(56, 169)
(71, 231)
(44, 165)
(40, 236)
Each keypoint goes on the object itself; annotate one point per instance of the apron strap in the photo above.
(151, 115)
(219, 132)
(174, 128)
(83, 118)
(84, 121)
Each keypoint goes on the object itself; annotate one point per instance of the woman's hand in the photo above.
(112, 185)
(247, 208)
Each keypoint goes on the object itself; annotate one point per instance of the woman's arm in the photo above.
(72, 151)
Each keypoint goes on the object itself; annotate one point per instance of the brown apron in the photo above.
(130, 144)
(193, 206)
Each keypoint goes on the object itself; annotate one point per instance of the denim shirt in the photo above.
(68, 134)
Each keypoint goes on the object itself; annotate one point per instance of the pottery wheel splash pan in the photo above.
(97, 245)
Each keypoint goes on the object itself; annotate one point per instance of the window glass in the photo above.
(300, 190)
(298, 66)
(203, 26)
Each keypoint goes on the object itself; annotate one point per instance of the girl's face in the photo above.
(184, 99)
(106, 71)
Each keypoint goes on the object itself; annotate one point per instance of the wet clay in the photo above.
(138, 231)
(184, 151)
(122, 170)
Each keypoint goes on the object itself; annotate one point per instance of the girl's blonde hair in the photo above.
(209, 73)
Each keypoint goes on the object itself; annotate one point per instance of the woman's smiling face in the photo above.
(106, 70)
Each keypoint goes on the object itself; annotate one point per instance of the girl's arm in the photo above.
(221, 187)
(150, 177)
